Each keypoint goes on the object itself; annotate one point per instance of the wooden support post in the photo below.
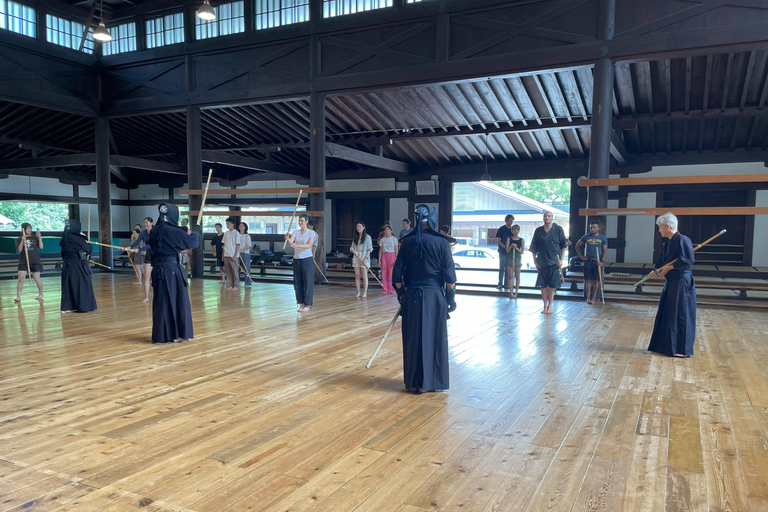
(195, 181)
(602, 111)
(317, 174)
(103, 200)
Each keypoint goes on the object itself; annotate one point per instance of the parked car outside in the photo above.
(476, 257)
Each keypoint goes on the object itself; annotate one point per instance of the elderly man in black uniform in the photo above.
(171, 313)
(76, 286)
(675, 327)
(423, 267)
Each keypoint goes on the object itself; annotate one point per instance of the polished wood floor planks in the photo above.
(274, 411)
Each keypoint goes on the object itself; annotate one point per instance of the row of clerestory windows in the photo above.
(168, 29)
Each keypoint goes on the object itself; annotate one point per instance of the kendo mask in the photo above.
(73, 226)
(169, 213)
(425, 212)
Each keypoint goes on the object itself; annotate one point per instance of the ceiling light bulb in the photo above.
(101, 33)
(206, 12)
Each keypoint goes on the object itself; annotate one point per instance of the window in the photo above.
(463, 197)
(123, 40)
(17, 18)
(166, 30)
(43, 216)
(274, 13)
(333, 8)
(68, 33)
(230, 19)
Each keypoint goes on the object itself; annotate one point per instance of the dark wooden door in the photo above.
(727, 249)
(348, 212)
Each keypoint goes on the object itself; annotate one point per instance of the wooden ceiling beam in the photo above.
(218, 157)
(361, 157)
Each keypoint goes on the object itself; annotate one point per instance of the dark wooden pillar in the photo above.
(576, 223)
(317, 172)
(195, 181)
(602, 106)
(103, 199)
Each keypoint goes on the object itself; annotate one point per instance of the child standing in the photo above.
(388, 246)
(514, 264)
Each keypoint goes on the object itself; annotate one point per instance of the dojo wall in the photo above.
(641, 230)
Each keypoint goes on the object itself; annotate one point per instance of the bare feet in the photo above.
(365, 295)
(39, 297)
(589, 301)
(67, 311)
(17, 300)
(305, 309)
(146, 300)
(301, 306)
(138, 282)
(358, 295)
(682, 356)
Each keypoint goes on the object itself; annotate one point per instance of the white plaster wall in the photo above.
(398, 210)
(760, 247)
(15, 184)
(641, 229)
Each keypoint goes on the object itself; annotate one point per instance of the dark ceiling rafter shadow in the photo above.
(514, 30)
(688, 13)
(257, 66)
(382, 49)
(147, 80)
(50, 77)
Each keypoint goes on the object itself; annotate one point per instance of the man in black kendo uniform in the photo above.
(171, 312)
(424, 266)
(76, 286)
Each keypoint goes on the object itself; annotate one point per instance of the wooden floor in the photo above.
(271, 411)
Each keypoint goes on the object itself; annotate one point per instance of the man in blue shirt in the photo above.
(406, 229)
(589, 248)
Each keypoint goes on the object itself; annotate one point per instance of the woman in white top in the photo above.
(388, 253)
(362, 245)
(245, 253)
(303, 267)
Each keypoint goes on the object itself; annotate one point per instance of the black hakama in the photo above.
(424, 267)
(425, 339)
(171, 311)
(76, 285)
(674, 329)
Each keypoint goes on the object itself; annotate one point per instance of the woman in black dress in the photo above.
(76, 286)
(29, 245)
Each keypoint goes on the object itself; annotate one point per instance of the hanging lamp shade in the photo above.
(206, 12)
(101, 33)
(486, 176)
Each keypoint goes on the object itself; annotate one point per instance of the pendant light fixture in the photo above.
(486, 176)
(206, 12)
(101, 33)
